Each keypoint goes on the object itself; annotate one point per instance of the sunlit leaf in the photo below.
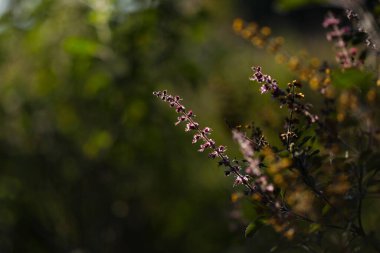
(325, 209)
(81, 46)
(289, 5)
(314, 227)
(253, 227)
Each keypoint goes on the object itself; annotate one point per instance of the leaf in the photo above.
(289, 5)
(349, 78)
(273, 249)
(304, 140)
(315, 152)
(81, 46)
(253, 227)
(314, 227)
(325, 209)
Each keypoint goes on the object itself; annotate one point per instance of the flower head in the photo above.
(266, 81)
(202, 135)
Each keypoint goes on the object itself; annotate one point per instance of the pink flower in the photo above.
(330, 21)
(241, 180)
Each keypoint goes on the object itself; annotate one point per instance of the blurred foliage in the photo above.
(82, 164)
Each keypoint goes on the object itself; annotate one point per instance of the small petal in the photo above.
(240, 180)
(196, 138)
(211, 143)
(213, 154)
(202, 147)
(270, 188)
(194, 126)
(330, 21)
(263, 89)
(180, 119)
(221, 149)
(180, 108)
(206, 130)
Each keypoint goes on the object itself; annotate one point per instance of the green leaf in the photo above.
(253, 227)
(250, 230)
(304, 140)
(81, 46)
(325, 209)
(349, 78)
(289, 5)
(314, 227)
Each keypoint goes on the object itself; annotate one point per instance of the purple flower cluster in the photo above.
(260, 180)
(330, 21)
(268, 83)
(345, 56)
(335, 34)
(202, 135)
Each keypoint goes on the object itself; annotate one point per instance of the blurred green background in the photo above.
(90, 161)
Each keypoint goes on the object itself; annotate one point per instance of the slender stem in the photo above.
(304, 218)
(233, 169)
(290, 118)
(360, 200)
(378, 65)
(317, 192)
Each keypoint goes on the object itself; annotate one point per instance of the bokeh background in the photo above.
(90, 161)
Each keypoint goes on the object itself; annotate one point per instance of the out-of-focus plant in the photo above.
(320, 186)
(81, 168)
